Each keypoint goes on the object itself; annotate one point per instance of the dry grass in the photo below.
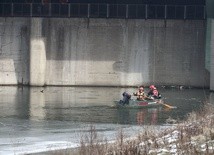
(91, 144)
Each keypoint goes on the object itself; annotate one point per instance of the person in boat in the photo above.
(140, 93)
(126, 98)
(153, 93)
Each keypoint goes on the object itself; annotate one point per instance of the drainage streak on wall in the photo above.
(102, 52)
(211, 46)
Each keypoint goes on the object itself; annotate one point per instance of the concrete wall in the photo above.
(37, 53)
(211, 43)
(14, 51)
(209, 8)
(111, 52)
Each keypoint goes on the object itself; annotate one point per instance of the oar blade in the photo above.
(169, 106)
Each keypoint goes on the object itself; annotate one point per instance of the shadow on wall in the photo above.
(166, 52)
(14, 51)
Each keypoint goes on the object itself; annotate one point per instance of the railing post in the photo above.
(146, 11)
(127, 10)
(78, 10)
(165, 12)
(117, 9)
(12, 10)
(98, 9)
(185, 11)
(107, 10)
(88, 10)
(69, 10)
(195, 13)
(204, 12)
(31, 9)
(49, 13)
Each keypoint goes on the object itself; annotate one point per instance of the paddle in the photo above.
(166, 105)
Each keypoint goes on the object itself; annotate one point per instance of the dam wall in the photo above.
(14, 51)
(210, 41)
(102, 52)
(211, 54)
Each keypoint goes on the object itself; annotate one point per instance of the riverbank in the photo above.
(193, 136)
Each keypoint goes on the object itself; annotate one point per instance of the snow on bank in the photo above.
(187, 138)
(36, 148)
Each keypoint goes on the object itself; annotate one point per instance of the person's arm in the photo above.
(150, 93)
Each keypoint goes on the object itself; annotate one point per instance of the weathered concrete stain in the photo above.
(109, 52)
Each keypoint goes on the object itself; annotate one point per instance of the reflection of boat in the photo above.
(138, 104)
(147, 116)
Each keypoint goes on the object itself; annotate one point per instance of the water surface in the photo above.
(40, 119)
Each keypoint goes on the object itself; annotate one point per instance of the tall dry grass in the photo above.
(91, 144)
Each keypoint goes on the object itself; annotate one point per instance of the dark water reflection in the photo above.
(93, 104)
(34, 121)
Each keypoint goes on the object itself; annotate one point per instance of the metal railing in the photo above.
(80, 10)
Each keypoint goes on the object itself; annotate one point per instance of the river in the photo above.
(36, 119)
